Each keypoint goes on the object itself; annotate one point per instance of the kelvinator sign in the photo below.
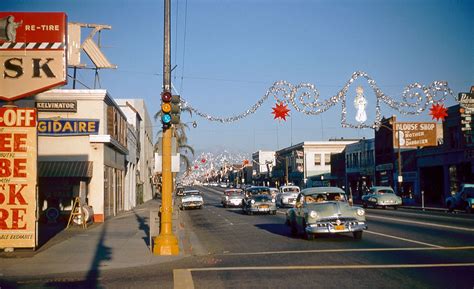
(32, 53)
(18, 155)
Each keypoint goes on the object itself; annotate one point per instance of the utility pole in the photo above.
(166, 243)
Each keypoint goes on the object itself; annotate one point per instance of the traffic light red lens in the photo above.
(166, 96)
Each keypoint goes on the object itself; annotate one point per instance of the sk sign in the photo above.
(32, 53)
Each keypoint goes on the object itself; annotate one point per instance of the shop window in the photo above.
(327, 159)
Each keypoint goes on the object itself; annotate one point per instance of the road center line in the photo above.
(421, 223)
(182, 279)
(329, 267)
(403, 239)
(351, 250)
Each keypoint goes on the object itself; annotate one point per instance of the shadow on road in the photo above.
(102, 253)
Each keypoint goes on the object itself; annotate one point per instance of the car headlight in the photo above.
(226, 198)
(252, 201)
(374, 200)
(360, 212)
(273, 200)
(313, 214)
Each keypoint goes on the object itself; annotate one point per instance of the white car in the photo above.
(191, 199)
(287, 196)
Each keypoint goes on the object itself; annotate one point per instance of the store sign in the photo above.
(67, 127)
(414, 134)
(59, 106)
(32, 53)
(18, 174)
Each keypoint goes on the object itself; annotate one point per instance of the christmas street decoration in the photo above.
(304, 98)
(438, 111)
(280, 111)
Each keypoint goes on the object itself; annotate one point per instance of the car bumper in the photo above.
(192, 204)
(288, 201)
(327, 228)
(231, 203)
(259, 209)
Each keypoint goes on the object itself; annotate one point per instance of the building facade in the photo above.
(82, 149)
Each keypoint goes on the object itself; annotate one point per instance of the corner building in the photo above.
(82, 148)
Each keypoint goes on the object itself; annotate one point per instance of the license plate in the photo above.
(472, 206)
(339, 227)
(291, 200)
(264, 207)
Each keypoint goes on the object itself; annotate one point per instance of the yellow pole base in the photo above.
(165, 245)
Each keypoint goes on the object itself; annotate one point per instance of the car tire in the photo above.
(450, 208)
(468, 209)
(306, 235)
(294, 228)
(357, 235)
(274, 212)
(249, 212)
(364, 204)
(395, 207)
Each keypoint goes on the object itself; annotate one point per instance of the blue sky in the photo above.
(228, 53)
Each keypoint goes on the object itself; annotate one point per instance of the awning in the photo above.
(72, 169)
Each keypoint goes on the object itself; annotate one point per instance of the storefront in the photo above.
(82, 148)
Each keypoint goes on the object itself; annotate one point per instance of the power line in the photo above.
(184, 43)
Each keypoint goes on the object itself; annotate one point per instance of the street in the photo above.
(224, 248)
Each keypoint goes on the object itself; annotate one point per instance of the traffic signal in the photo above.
(175, 109)
(166, 109)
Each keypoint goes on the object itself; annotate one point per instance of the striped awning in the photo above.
(72, 169)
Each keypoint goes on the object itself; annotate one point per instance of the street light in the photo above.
(399, 156)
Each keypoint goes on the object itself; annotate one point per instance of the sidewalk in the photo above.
(120, 242)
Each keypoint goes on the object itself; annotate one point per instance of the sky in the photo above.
(227, 54)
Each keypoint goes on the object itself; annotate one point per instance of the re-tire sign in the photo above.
(32, 53)
(18, 177)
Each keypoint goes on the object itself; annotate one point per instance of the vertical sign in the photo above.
(18, 175)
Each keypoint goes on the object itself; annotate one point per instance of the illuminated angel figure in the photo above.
(360, 103)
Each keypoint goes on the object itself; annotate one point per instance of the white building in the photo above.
(262, 164)
(133, 140)
(82, 149)
(146, 190)
(308, 162)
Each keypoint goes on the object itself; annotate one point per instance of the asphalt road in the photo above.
(228, 249)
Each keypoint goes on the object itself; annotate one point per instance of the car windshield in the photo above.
(235, 194)
(262, 198)
(324, 197)
(257, 191)
(191, 193)
(290, 190)
(384, 191)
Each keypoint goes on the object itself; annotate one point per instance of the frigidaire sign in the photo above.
(32, 53)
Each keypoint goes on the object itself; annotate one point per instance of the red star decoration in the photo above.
(438, 111)
(196, 167)
(280, 111)
(203, 160)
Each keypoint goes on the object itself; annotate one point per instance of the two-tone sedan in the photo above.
(258, 200)
(287, 196)
(232, 198)
(325, 210)
(381, 197)
(190, 199)
(462, 200)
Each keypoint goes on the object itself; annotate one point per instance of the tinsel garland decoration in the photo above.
(305, 99)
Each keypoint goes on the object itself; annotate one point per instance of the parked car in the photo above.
(287, 196)
(191, 199)
(274, 192)
(462, 200)
(382, 197)
(258, 200)
(232, 198)
(325, 210)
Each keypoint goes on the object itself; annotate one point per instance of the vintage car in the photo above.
(258, 200)
(274, 192)
(287, 196)
(190, 199)
(325, 210)
(179, 191)
(462, 200)
(232, 198)
(381, 196)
